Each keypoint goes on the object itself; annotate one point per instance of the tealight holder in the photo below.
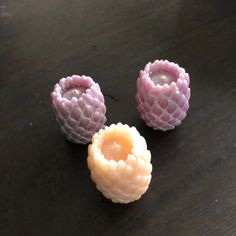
(120, 163)
(163, 94)
(79, 107)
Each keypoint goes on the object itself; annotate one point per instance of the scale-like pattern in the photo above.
(124, 180)
(79, 106)
(163, 106)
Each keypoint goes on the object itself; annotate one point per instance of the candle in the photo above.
(79, 107)
(163, 94)
(119, 163)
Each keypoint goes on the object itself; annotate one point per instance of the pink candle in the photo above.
(119, 163)
(163, 94)
(79, 107)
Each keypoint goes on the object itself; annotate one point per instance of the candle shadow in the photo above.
(119, 215)
(77, 154)
(160, 143)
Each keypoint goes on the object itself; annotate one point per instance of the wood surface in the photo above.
(45, 188)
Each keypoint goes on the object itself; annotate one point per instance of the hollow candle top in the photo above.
(162, 77)
(74, 92)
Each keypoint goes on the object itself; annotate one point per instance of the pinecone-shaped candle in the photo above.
(119, 163)
(79, 106)
(163, 94)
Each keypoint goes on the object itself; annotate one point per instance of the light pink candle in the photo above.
(79, 107)
(163, 94)
(120, 163)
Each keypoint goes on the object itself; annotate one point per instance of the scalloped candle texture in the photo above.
(79, 107)
(120, 163)
(163, 94)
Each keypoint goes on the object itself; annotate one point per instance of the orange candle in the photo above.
(120, 163)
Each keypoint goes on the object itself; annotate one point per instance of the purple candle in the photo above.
(79, 106)
(163, 94)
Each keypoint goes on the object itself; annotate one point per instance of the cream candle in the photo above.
(120, 163)
(79, 107)
(163, 94)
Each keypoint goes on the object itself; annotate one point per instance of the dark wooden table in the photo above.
(45, 188)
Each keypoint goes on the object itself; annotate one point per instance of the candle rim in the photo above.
(67, 83)
(180, 73)
(139, 146)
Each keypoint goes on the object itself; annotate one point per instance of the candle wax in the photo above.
(162, 77)
(116, 148)
(74, 92)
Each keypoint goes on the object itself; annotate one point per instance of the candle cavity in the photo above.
(116, 147)
(162, 77)
(74, 92)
